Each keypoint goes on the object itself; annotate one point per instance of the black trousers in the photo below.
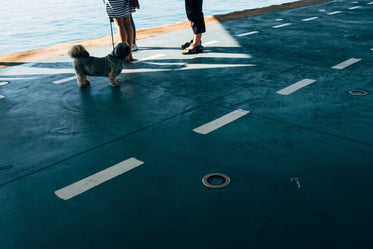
(195, 15)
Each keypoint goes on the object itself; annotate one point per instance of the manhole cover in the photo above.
(358, 92)
(216, 180)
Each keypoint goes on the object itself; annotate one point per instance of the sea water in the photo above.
(32, 24)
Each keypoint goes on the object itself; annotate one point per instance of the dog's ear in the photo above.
(121, 51)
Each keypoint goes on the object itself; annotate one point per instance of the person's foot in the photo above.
(187, 44)
(134, 47)
(129, 57)
(193, 49)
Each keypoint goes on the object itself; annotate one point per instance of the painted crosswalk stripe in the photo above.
(209, 43)
(64, 80)
(295, 87)
(309, 19)
(346, 63)
(248, 33)
(281, 25)
(355, 7)
(92, 181)
(333, 13)
(220, 122)
(150, 57)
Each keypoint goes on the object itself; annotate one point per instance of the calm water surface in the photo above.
(27, 25)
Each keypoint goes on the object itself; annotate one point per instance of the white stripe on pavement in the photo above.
(209, 43)
(220, 122)
(92, 181)
(309, 19)
(3, 83)
(248, 33)
(296, 86)
(64, 80)
(1, 97)
(150, 58)
(333, 13)
(281, 25)
(355, 7)
(346, 63)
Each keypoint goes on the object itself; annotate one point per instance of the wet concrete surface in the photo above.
(300, 164)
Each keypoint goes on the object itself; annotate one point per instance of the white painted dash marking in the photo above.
(209, 43)
(310, 19)
(3, 83)
(355, 7)
(1, 97)
(92, 181)
(248, 33)
(150, 57)
(370, 3)
(346, 63)
(220, 122)
(333, 13)
(281, 25)
(64, 80)
(295, 87)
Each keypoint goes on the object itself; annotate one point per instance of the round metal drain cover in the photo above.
(216, 180)
(358, 92)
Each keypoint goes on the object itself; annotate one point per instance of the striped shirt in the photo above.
(118, 8)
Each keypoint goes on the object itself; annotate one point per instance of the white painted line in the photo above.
(64, 80)
(220, 122)
(281, 25)
(371, 49)
(248, 33)
(3, 83)
(355, 7)
(370, 3)
(92, 181)
(208, 66)
(333, 13)
(150, 58)
(1, 97)
(209, 43)
(346, 63)
(296, 86)
(309, 19)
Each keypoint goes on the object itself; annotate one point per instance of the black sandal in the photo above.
(195, 50)
(187, 44)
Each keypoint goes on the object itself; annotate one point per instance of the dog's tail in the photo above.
(78, 51)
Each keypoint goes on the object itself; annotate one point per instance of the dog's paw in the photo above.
(114, 84)
(85, 84)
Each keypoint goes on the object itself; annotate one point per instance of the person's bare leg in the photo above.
(128, 28)
(119, 23)
(197, 39)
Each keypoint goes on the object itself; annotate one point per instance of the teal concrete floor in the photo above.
(54, 134)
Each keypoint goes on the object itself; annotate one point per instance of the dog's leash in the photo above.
(111, 27)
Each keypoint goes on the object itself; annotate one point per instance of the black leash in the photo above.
(111, 27)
